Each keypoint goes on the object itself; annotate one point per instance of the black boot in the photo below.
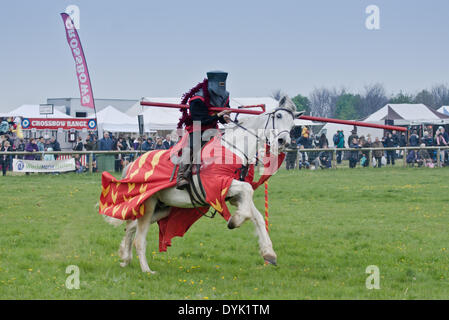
(182, 178)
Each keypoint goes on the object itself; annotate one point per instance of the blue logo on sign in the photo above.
(20, 165)
(25, 123)
(92, 124)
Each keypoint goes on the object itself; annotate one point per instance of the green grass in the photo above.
(326, 227)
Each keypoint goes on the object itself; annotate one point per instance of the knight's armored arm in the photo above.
(221, 119)
(200, 112)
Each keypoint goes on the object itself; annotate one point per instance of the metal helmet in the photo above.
(217, 87)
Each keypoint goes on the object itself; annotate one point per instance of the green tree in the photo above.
(402, 98)
(348, 106)
(425, 97)
(302, 103)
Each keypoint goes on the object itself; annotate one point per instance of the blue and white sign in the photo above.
(92, 124)
(25, 123)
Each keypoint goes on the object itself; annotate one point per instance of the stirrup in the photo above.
(182, 184)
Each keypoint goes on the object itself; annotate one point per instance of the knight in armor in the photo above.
(209, 93)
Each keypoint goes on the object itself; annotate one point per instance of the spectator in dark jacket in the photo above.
(414, 139)
(354, 155)
(402, 140)
(106, 143)
(55, 144)
(158, 145)
(389, 143)
(427, 139)
(323, 141)
(168, 143)
(147, 145)
(366, 144)
(5, 160)
(79, 145)
(352, 136)
(412, 157)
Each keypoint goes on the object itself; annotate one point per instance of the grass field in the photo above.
(326, 228)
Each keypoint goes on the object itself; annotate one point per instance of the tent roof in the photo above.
(114, 116)
(411, 112)
(112, 119)
(32, 111)
(444, 110)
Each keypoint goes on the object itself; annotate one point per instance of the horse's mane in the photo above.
(186, 119)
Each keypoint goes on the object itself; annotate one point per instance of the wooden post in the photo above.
(404, 158)
(370, 155)
(334, 159)
(91, 162)
(438, 157)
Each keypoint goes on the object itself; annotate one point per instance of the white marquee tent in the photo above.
(113, 120)
(402, 114)
(444, 110)
(32, 111)
(408, 114)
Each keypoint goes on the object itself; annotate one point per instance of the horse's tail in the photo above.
(113, 221)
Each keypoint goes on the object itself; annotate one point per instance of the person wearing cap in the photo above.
(210, 93)
(352, 136)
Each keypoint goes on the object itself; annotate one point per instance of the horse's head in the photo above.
(280, 122)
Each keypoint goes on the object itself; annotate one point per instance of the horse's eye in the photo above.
(279, 116)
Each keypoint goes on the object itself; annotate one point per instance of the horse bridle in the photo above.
(271, 115)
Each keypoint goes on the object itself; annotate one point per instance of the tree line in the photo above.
(342, 104)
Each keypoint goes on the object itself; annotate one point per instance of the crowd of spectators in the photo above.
(121, 143)
(9, 142)
(379, 158)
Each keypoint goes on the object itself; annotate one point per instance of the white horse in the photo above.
(243, 140)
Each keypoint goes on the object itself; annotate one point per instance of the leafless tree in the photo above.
(425, 97)
(373, 98)
(440, 95)
(323, 101)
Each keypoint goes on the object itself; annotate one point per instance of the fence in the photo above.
(87, 156)
(439, 152)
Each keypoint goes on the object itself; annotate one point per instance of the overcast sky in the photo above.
(163, 48)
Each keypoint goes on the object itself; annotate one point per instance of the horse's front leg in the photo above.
(265, 244)
(241, 194)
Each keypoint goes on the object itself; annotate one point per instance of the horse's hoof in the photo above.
(272, 262)
(124, 264)
(270, 258)
(149, 271)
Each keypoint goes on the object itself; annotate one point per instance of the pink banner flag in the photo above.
(86, 95)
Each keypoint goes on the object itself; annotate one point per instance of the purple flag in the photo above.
(82, 74)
